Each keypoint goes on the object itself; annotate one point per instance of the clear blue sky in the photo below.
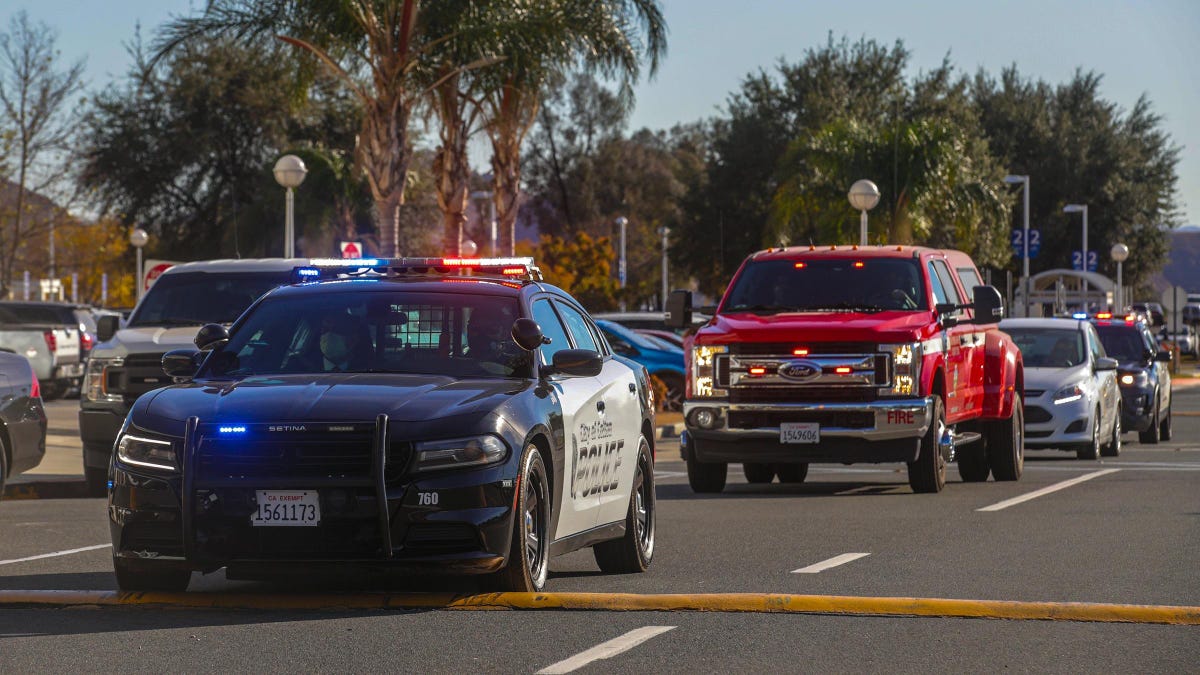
(1149, 46)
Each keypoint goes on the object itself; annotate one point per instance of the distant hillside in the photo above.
(1183, 264)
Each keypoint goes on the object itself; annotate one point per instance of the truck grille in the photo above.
(783, 372)
(320, 453)
(845, 419)
(138, 374)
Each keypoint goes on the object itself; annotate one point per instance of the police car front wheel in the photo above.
(529, 551)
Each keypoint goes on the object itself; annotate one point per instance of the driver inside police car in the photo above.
(341, 336)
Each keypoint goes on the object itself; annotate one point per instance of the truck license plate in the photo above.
(287, 508)
(799, 432)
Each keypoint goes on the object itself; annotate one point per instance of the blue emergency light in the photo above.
(1079, 315)
(238, 429)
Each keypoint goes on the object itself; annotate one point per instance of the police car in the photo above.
(422, 415)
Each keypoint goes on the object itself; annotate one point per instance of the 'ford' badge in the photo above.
(799, 371)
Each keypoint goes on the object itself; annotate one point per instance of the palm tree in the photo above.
(607, 36)
(385, 51)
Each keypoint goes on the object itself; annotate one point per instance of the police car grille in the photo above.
(746, 419)
(441, 538)
(297, 455)
(1037, 415)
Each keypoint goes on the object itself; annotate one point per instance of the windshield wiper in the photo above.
(755, 309)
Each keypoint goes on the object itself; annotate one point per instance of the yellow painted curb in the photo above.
(714, 602)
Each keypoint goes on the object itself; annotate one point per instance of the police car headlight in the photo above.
(457, 452)
(151, 453)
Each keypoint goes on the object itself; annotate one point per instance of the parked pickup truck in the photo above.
(53, 347)
(852, 354)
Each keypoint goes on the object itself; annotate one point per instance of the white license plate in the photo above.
(799, 432)
(287, 508)
(71, 370)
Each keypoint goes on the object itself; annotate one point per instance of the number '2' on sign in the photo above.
(1077, 260)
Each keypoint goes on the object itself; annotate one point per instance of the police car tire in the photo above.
(1091, 450)
(142, 577)
(758, 473)
(791, 473)
(1151, 435)
(534, 483)
(633, 552)
(928, 473)
(1164, 430)
(704, 477)
(1006, 444)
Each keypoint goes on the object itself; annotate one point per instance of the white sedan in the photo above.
(1072, 401)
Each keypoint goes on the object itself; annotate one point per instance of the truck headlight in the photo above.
(906, 367)
(152, 453)
(458, 452)
(704, 371)
(95, 386)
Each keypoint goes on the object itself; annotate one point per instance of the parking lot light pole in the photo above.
(138, 238)
(289, 173)
(1082, 208)
(666, 231)
(1119, 253)
(864, 195)
(622, 222)
(1023, 181)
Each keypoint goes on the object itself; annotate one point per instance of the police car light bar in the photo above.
(332, 268)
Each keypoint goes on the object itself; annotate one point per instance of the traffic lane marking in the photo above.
(1046, 490)
(55, 554)
(714, 602)
(832, 562)
(605, 650)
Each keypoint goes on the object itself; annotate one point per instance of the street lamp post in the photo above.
(1082, 208)
(289, 173)
(488, 195)
(864, 195)
(665, 231)
(1119, 253)
(622, 222)
(1023, 181)
(138, 238)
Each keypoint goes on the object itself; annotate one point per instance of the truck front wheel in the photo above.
(705, 477)
(758, 473)
(928, 473)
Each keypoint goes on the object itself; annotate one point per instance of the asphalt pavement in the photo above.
(1118, 530)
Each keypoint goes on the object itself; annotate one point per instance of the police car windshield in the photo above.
(369, 331)
(1049, 347)
(197, 298)
(1124, 343)
(872, 285)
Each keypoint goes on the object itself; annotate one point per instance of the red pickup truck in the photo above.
(847, 354)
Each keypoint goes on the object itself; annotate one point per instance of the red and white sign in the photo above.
(352, 249)
(152, 270)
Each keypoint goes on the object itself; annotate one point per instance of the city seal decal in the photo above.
(799, 371)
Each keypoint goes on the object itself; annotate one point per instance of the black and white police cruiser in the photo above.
(437, 415)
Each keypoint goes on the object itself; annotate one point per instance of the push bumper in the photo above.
(875, 431)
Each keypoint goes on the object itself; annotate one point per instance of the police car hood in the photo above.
(328, 397)
(1053, 379)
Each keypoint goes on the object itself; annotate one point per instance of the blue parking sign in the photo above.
(1093, 260)
(1018, 237)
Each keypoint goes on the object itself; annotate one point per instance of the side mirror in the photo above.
(989, 306)
(578, 362)
(679, 309)
(107, 326)
(210, 336)
(527, 334)
(1163, 356)
(1105, 363)
(182, 362)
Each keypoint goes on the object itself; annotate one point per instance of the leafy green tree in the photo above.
(1080, 148)
(580, 265)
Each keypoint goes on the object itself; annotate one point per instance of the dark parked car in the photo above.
(22, 417)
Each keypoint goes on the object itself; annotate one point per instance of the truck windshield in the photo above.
(872, 285)
(1049, 347)
(197, 298)
(372, 331)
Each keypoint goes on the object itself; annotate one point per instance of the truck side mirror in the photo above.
(107, 326)
(989, 306)
(679, 309)
(210, 336)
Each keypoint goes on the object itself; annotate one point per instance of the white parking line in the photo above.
(606, 650)
(56, 554)
(1047, 490)
(832, 562)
